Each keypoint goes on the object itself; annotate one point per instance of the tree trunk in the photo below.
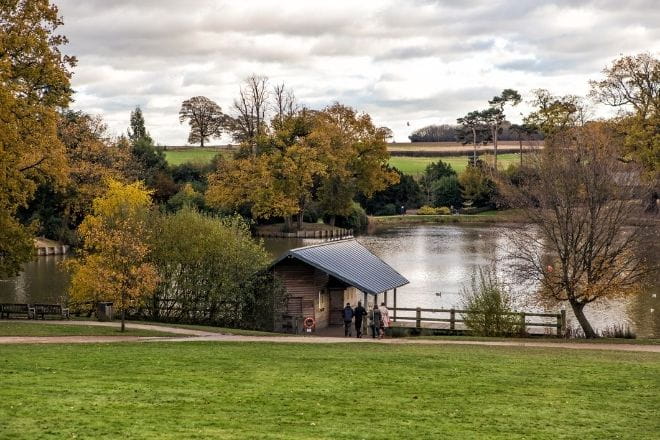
(300, 220)
(578, 311)
(520, 140)
(201, 142)
(123, 311)
(495, 146)
(474, 143)
(288, 223)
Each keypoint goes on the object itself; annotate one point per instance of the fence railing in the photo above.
(456, 316)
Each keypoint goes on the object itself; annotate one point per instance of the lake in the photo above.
(438, 260)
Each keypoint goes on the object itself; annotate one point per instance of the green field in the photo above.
(325, 391)
(416, 165)
(405, 164)
(27, 328)
(194, 155)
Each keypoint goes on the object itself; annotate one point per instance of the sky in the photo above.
(406, 63)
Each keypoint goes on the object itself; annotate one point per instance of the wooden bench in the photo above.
(6, 310)
(50, 310)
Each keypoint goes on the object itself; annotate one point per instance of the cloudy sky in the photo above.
(419, 61)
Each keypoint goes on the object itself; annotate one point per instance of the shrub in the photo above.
(489, 306)
(357, 219)
(618, 331)
(446, 191)
(389, 209)
(426, 210)
(429, 210)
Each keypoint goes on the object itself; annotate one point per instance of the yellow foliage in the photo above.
(114, 262)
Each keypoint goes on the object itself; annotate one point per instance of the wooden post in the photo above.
(394, 314)
(452, 319)
(418, 316)
(385, 298)
(561, 324)
(365, 318)
(523, 325)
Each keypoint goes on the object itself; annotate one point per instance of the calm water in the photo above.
(437, 259)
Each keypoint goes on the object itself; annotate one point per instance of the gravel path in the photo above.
(188, 335)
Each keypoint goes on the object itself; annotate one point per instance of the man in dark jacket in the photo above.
(359, 312)
(347, 314)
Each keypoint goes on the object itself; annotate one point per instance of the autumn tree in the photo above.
(113, 264)
(584, 206)
(556, 115)
(34, 83)
(355, 153)
(632, 84)
(277, 182)
(205, 119)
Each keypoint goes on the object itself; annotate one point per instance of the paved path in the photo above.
(188, 335)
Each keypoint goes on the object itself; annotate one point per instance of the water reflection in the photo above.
(442, 259)
(435, 258)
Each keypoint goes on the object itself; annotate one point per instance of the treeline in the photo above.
(453, 133)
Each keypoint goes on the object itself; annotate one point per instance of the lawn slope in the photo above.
(285, 391)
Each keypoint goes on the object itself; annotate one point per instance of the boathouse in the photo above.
(321, 279)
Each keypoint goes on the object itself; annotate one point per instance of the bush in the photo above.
(489, 307)
(389, 209)
(429, 210)
(446, 191)
(357, 219)
(426, 210)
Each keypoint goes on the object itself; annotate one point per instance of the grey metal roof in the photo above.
(350, 262)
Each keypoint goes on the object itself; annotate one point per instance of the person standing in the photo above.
(384, 318)
(359, 313)
(347, 313)
(374, 321)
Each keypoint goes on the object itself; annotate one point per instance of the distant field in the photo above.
(406, 164)
(416, 165)
(449, 146)
(198, 155)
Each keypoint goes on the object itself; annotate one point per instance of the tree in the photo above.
(137, 130)
(632, 83)
(555, 115)
(585, 207)
(34, 83)
(355, 154)
(114, 259)
(205, 118)
(522, 132)
(250, 108)
(210, 276)
(432, 173)
(495, 116)
(476, 186)
(473, 129)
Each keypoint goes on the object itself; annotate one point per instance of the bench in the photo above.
(16, 309)
(51, 310)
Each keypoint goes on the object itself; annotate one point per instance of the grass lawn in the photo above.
(211, 329)
(27, 328)
(416, 165)
(284, 391)
(493, 216)
(199, 155)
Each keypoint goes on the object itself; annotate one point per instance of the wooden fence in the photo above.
(456, 316)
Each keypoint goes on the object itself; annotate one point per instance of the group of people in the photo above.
(378, 319)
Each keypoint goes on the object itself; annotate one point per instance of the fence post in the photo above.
(523, 324)
(561, 324)
(452, 319)
(418, 315)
